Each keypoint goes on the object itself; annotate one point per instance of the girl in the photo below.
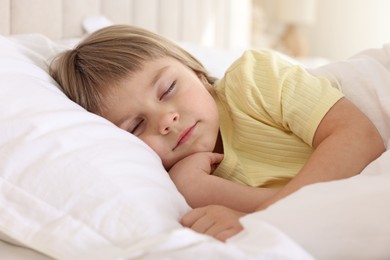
(233, 145)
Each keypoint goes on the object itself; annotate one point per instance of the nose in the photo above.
(167, 122)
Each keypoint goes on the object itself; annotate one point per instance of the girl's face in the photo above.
(168, 107)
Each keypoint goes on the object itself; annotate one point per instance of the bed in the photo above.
(74, 186)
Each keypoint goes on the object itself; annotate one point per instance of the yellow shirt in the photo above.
(269, 112)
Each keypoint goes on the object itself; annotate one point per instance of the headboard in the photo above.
(214, 23)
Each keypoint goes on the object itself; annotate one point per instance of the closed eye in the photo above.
(171, 87)
(136, 127)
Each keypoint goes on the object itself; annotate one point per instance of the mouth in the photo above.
(185, 136)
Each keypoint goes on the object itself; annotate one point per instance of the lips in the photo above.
(185, 136)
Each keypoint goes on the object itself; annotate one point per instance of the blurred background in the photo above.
(333, 29)
(329, 29)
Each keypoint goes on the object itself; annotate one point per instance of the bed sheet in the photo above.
(346, 219)
(269, 243)
(13, 252)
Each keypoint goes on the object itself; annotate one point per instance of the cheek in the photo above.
(209, 108)
(199, 98)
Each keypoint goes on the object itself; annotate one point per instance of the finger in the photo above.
(226, 234)
(192, 216)
(203, 224)
(219, 227)
(215, 158)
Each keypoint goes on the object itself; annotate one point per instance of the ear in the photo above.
(205, 82)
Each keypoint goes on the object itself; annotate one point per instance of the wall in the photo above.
(344, 27)
(213, 23)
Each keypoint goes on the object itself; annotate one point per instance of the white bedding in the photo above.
(73, 186)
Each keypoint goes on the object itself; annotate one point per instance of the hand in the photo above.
(202, 162)
(217, 221)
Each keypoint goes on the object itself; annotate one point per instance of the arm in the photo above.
(192, 176)
(345, 142)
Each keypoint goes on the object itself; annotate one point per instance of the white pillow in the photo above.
(71, 182)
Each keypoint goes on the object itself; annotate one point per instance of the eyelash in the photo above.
(135, 127)
(171, 87)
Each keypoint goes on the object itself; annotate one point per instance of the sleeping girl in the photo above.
(233, 145)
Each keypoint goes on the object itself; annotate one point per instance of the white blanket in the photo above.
(346, 219)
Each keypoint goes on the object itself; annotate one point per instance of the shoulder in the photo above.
(259, 58)
(253, 67)
(251, 85)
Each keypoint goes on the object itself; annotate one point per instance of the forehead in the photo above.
(152, 69)
(138, 85)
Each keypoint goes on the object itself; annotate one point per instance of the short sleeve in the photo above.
(279, 94)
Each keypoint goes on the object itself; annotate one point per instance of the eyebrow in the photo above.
(158, 75)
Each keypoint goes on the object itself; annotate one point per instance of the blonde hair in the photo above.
(101, 61)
